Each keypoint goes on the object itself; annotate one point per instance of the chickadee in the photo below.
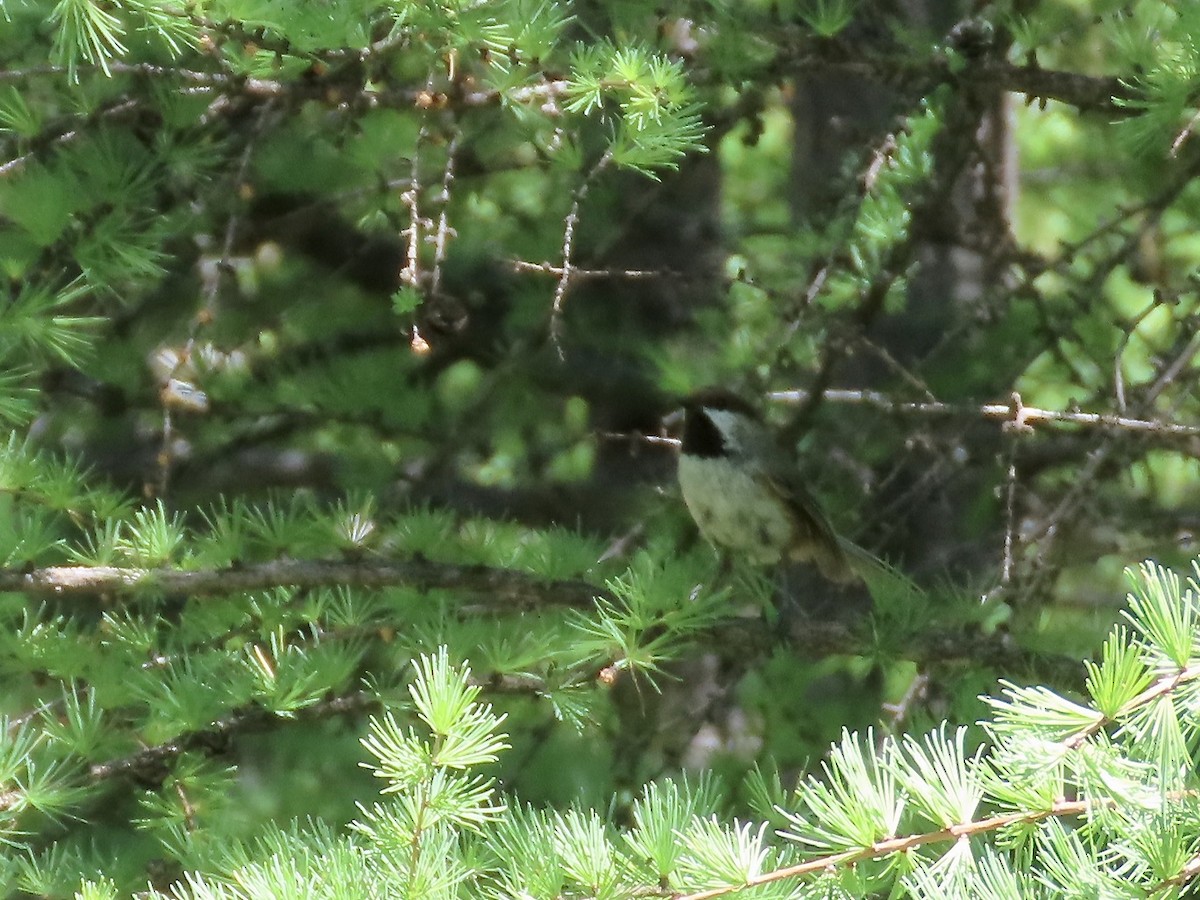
(744, 496)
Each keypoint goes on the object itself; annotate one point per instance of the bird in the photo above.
(744, 496)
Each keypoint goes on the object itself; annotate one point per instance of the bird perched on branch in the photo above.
(746, 497)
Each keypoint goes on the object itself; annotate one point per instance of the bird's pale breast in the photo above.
(733, 510)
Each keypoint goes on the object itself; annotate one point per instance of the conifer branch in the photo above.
(148, 764)
(1062, 808)
(1165, 685)
(1087, 93)
(504, 586)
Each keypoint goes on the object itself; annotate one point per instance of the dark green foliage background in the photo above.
(217, 197)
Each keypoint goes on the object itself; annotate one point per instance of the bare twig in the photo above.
(999, 412)
(410, 273)
(444, 231)
(899, 711)
(1184, 134)
(545, 268)
(564, 279)
(1127, 334)
(1010, 524)
(635, 437)
(1084, 481)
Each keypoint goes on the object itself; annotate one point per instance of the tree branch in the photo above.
(903, 844)
(1166, 685)
(148, 764)
(504, 586)
(1087, 93)
(1016, 414)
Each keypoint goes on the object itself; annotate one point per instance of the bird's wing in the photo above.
(816, 541)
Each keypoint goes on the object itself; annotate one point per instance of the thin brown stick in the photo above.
(1020, 415)
(545, 268)
(1010, 519)
(568, 246)
(444, 231)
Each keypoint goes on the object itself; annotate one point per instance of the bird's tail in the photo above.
(884, 581)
